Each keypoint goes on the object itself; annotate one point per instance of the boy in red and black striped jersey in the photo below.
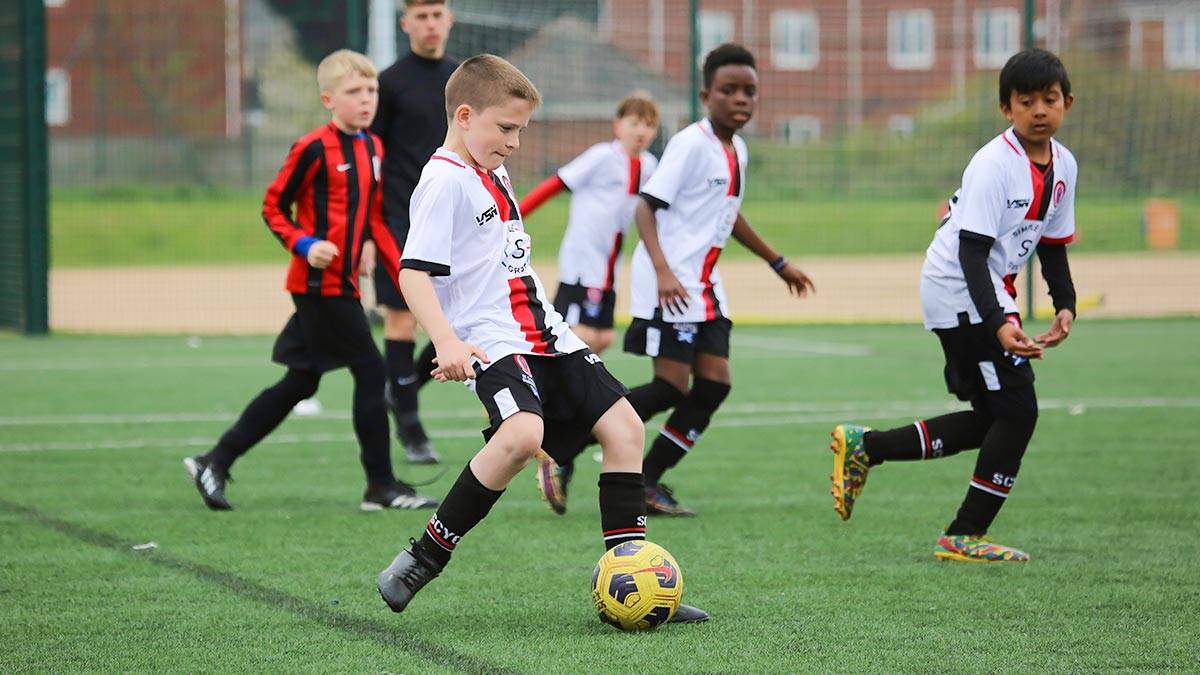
(331, 179)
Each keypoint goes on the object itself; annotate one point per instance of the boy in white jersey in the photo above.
(604, 183)
(689, 209)
(1017, 196)
(466, 275)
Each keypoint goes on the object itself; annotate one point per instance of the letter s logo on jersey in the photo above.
(517, 247)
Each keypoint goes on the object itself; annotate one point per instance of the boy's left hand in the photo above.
(1059, 330)
(797, 282)
(366, 262)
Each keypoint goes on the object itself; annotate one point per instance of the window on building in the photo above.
(715, 28)
(997, 36)
(801, 129)
(794, 40)
(910, 39)
(1181, 48)
(58, 97)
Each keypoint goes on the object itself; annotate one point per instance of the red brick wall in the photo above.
(141, 67)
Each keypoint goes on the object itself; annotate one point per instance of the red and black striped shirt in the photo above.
(331, 179)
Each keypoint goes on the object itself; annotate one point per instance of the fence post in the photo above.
(36, 159)
(1029, 42)
(694, 58)
(355, 36)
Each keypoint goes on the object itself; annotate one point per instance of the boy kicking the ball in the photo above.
(467, 276)
(1017, 197)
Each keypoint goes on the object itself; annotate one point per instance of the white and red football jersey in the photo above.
(1007, 197)
(604, 182)
(466, 232)
(702, 182)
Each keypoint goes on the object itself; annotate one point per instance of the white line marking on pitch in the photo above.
(801, 346)
(853, 408)
(737, 416)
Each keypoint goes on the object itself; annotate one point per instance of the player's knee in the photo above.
(300, 384)
(521, 436)
(370, 375)
(1018, 407)
(708, 394)
(399, 324)
(601, 340)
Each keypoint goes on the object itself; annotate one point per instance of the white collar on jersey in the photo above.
(1010, 138)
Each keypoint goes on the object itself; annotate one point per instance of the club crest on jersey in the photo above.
(506, 182)
(487, 215)
(1060, 191)
(376, 165)
(527, 374)
(685, 333)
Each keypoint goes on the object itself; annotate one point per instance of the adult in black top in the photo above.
(412, 123)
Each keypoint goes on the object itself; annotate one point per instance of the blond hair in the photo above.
(486, 81)
(335, 67)
(641, 105)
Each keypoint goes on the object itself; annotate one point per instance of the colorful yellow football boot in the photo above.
(850, 467)
(549, 476)
(975, 548)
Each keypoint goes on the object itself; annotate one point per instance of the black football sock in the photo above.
(997, 465)
(653, 397)
(622, 507)
(464, 506)
(262, 415)
(935, 437)
(402, 381)
(370, 424)
(425, 365)
(683, 428)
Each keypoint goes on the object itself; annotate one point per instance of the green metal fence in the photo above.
(23, 187)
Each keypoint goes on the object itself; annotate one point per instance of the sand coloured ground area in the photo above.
(251, 299)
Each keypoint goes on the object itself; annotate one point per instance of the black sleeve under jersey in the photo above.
(1057, 273)
(973, 251)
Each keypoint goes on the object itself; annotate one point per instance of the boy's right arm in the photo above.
(671, 294)
(428, 252)
(544, 192)
(453, 355)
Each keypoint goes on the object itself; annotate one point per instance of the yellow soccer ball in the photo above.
(637, 585)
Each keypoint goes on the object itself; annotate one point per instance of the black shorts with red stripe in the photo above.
(570, 392)
(678, 341)
(583, 306)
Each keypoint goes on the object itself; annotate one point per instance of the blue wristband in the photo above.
(303, 244)
(778, 264)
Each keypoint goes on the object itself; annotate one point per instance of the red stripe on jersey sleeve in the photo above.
(1058, 240)
(544, 192)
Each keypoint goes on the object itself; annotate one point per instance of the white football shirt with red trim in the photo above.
(702, 182)
(466, 232)
(604, 182)
(1007, 197)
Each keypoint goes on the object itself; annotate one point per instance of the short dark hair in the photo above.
(728, 54)
(1032, 70)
